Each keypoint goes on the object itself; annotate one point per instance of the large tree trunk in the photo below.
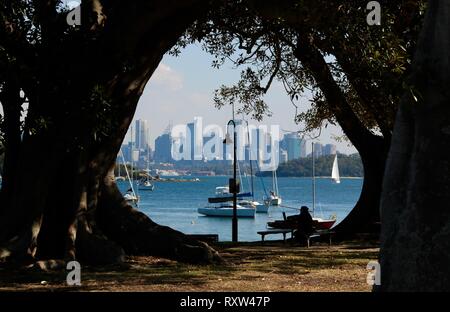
(62, 203)
(415, 211)
(365, 216)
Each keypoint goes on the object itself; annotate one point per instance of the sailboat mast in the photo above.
(313, 178)
(131, 153)
(273, 181)
(276, 184)
(250, 160)
(148, 159)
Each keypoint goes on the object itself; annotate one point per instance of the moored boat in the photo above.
(226, 210)
(260, 208)
(146, 185)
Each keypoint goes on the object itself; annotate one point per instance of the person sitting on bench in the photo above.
(305, 226)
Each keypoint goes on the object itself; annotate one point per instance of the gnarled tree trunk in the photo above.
(415, 210)
(365, 216)
(61, 202)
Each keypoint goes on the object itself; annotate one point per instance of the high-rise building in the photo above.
(329, 149)
(141, 135)
(292, 143)
(195, 139)
(126, 150)
(317, 150)
(163, 148)
(283, 156)
(302, 148)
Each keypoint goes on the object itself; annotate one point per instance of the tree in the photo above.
(415, 202)
(355, 72)
(80, 86)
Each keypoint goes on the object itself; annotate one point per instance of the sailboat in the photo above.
(319, 223)
(145, 183)
(223, 197)
(223, 208)
(130, 196)
(291, 221)
(252, 203)
(274, 199)
(119, 175)
(335, 171)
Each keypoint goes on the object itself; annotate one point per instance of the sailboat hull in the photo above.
(276, 201)
(273, 201)
(322, 224)
(227, 212)
(146, 188)
(260, 208)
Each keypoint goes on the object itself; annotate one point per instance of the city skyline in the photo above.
(188, 143)
(183, 88)
(293, 144)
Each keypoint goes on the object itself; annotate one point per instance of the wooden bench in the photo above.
(316, 234)
(275, 231)
(319, 234)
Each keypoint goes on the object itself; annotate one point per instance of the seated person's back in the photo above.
(305, 223)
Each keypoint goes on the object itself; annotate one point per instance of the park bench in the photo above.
(319, 234)
(316, 234)
(275, 231)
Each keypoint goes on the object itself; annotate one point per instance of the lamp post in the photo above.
(234, 184)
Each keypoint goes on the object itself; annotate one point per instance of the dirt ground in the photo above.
(272, 266)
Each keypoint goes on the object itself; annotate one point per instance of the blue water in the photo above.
(175, 204)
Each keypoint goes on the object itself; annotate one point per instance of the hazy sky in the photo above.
(183, 87)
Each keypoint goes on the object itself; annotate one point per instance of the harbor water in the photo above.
(175, 204)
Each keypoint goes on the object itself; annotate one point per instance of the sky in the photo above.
(183, 87)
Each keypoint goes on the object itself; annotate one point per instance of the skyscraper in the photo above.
(329, 149)
(302, 148)
(141, 134)
(163, 148)
(317, 149)
(283, 156)
(292, 142)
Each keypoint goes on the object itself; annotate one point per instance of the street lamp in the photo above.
(233, 185)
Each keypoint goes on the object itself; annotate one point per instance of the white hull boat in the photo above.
(129, 197)
(260, 208)
(273, 200)
(146, 186)
(227, 211)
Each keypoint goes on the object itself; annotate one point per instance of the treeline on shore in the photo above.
(349, 166)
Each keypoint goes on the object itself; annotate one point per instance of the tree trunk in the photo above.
(365, 216)
(139, 235)
(63, 204)
(415, 250)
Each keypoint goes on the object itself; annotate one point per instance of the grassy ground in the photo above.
(272, 266)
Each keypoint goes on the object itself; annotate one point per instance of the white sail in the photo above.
(335, 171)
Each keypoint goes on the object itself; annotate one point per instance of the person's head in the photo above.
(304, 209)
